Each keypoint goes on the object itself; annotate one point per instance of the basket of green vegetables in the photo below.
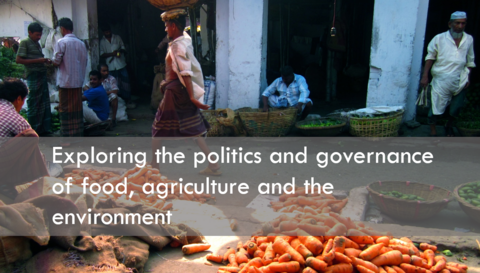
(321, 127)
(409, 201)
(468, 196)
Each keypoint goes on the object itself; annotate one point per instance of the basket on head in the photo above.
(472, 211)
(320, 131)
(436, 199)
(172, 4)
(376, 127)
(274, 123)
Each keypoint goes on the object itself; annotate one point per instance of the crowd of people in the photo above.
(450, 59)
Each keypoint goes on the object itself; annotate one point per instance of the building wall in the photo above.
(12, 17)
(241, 52)
(397, 48)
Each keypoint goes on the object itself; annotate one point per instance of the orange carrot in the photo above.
(285, 258)
(384, 239)
(430, 257)
(382, 270)
(261, 240)
(309, 270)
(255, 262)
(292, 266)
(367, 264)
(311, 243)
(352, 252)
(251, 248)
(253, 269)
(350, 244)
(194, 248)
(303, 250)
(425, 246)
(229, 251)
(337, 230)
(341, 258)
(389, 269)
(385, 249)
(362, 269)
(328, 247)
(339, 206)
(288, 225)
(316, 264)
(393, 257)
(420, 262)
(215, 258)
(453, 269)
(445, 271)
(259, 253)
(269, 255)
(404, 249)
(457, 265)
(407, 259)
(339, 244)
(398, 269)
(371, 252)
(282, 247)
(232, 260)
(439, 265)
(340, 268)
(408, 268)
(229, 269)
(315, 230)
(359, 237)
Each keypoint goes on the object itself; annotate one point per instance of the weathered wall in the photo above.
(241, 52)
(397, 45)
(12, 17)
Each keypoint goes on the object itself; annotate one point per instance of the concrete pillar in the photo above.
(203, 33)
(241, 52)
(397, 50)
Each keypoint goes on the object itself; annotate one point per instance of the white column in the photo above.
(397, 49)
(222, 47)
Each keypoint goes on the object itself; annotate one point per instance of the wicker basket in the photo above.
(469, 209)
(436, 199)
(320, 131)
(172, 4)
(217, 129)
(376, 127)
(467, 132)
(274, 123)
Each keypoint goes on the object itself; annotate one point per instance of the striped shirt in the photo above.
(30, 50)
(11, 123)
(296, 92)
(71, 56)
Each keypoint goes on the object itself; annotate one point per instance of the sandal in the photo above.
(209, 172)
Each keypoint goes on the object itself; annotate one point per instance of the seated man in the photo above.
(95, 106)
(20, 158)
(111, 87)
(292, 91)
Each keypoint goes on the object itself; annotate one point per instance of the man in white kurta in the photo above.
(450, 58)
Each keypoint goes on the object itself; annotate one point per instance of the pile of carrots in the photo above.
(313, 203)
(136, 178)
(352, 248)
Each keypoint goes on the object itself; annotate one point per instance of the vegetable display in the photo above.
(400, 195)
(55, 121)
(300, 202)
(321, 123)
(8, 66)
(471, 193)
(355, 248)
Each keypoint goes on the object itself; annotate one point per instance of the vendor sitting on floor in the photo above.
(290, 90)
(96, 107)
(111, 87)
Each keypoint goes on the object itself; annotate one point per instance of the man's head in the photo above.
(107, 31)
(95, 79)
(66, 26)
(287, 75)
(103, 68)
(458, 22)
(14, 91)
(175, 27)
(35, 31)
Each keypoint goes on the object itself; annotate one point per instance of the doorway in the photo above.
(299, 35)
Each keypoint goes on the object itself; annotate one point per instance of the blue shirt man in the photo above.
(292, 91)
(97, 100)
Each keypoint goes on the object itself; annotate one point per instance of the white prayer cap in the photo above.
(458, 15)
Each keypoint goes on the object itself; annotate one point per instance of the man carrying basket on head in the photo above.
(178, 115)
